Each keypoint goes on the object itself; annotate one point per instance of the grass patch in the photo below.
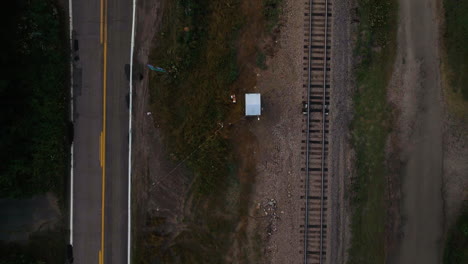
(272, 11)
(197, 47)
(45, 247)
(456, 37)
(375, 52)
(190, 101)
(456, 247)
(455, 57)
(260, 60)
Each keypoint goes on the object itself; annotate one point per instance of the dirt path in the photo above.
(339, 158)
(420, 131)
(157, 193)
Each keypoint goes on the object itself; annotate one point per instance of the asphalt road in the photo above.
(101, 112)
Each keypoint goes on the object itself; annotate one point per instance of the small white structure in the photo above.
(253, 106)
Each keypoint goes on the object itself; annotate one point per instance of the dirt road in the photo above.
(420, 128)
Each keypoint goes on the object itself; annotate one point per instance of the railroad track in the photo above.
(317, 97)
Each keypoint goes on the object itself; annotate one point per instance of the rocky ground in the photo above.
(279, 135)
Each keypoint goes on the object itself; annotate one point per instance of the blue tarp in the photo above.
(253, 105)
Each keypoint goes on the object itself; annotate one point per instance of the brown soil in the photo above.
(276, 205)
(252, 138)
(158, 192)
(340, 153)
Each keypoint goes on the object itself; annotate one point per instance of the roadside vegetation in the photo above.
(456, 247)
(260, 60)
(33, 94)
(191, 100)
(197, 48)
(374, 53)
(455, 69)
(455, 57)
(42, 248)
(272, 11)
(456, 37)
(33, 117)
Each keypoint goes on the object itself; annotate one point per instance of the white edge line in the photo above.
(70, 15)
(129, 227)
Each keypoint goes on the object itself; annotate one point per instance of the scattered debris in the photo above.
(233, 98)
(157, 69)
(269, 208)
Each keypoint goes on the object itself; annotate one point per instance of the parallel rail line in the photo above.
(317, 68)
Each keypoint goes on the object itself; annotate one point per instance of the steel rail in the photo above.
(324, 105)
(306, 224)
(323, 129)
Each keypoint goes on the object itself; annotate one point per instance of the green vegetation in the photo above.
(370, 128)
(33, 116)
(456, 248)
(260, 60)
(456, 39)
(33, 94)
(42, 248)
(190, 102)
(197, 46)
(272, 12)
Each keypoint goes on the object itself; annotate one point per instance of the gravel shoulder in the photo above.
(278, 133)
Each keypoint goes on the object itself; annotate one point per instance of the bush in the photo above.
(272, 11)
(456, 37)
(456, 247)
(33, 92)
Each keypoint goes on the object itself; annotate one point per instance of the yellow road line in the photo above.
(100, 149)
(100, 257)
(104, 102)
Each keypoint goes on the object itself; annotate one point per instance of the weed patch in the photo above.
(33, 100)
(197, 47)
(272, 11)
(260, 60)
(456, 247)
(455, 38)
(190, 101)
(371, 125)
(43, 247)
